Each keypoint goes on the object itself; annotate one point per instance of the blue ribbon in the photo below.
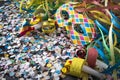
(102, 27)
(115, 21)
(105, 30)
(117, 33)
(100, 44)
(102, 55)
(109, 70)
(115, 16)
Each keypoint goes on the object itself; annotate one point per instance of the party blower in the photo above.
(76, 67)
(36, 24)
(91, 56)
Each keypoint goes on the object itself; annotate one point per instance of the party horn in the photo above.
(76, 66)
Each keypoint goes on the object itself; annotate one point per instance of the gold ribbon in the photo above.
(48, 26)
(101, 16)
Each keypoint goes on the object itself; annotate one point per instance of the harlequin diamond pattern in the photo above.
(86, 24)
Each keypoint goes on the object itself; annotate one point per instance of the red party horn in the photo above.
(25, 31)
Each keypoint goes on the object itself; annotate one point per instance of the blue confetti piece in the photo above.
(24, 73)
(62, 65)
(49, 48)
(40, 52)
(17, 4)
(36, 41)
(6, 46)
(45, 41)
(47, 60)
(11, 73)
(25, 49)
(0, 51)
(30, 15)
(58, 71)
(17, 28)
(1, 10)
(33, 47)
(36, 36)
(8, 36)
(16, 51)
(26, 23)
(19, 15)
(20, 58)
(26, 40)
(30, 55)
(68, 53)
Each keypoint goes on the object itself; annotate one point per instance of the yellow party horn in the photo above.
(76, 67)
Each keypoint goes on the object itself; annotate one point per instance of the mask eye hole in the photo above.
(78, 28)
(64, 14)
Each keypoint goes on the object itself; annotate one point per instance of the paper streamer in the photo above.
(112, 51)
(115, 20)
(102, 55)
(100, 44)
(115, 39)
(100, 16)
(111, 43)
(109, 70)
(21, 5)
(105, 30)
(48, 27)
(105, 45)
(102, 27)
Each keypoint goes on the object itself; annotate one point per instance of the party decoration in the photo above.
(80, 27)
(77, 66)
(92, 42)
(48, 26)
(92, 57)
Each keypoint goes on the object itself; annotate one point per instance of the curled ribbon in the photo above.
(48, 26)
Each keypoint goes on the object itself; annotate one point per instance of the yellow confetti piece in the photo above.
(6, 55)
(64, 70)
(49, 65)
(1, 26)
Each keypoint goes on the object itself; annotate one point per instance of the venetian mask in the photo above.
(79, 26)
